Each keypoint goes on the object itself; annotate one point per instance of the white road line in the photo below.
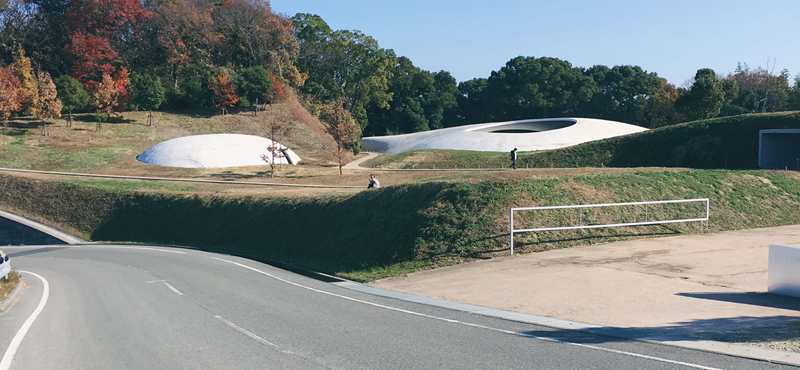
(251, 335)
(632, 354)
(128, 247)
(5, 364)
(172, 288)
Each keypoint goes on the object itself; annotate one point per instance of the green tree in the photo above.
(528, 87)
(73, 96)
(622, 94)
(473, 102)
(706, 96)
(793, 101)
(343, 64)
(148, 93)
(255, 85)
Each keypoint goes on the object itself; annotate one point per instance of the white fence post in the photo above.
(512, 231)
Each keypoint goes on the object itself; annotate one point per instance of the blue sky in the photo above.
(673, 38)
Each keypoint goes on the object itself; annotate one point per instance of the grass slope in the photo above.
(403, 228)
(81, 148)
(727, 142)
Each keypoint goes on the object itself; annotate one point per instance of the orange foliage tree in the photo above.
(9, 94)
(28, 85)
(224, 91)
(48, 96)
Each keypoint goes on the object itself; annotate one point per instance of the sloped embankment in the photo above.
(398, 229)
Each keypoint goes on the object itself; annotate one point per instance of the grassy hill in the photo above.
(402, 228)
(727, 142)
(115, 147)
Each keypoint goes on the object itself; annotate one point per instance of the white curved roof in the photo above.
(214, 151)
(525, 135)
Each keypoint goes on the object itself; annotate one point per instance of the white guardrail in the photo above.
(583, 206)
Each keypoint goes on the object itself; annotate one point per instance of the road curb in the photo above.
(11, 297)
(728, 349)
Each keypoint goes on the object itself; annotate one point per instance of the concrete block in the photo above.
(784, 270)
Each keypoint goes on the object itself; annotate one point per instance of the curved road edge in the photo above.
(5, 364)
(755, 353)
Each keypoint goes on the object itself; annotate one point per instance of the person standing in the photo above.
(514, 159)
(373, 182)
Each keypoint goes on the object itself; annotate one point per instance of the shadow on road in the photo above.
(35, 251)
(751, 298)
(732, 329)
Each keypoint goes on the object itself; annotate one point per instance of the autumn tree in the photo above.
(342, 128)
(92, 26)
(760, 90)
(72, 95)
(28, 85)
(9, 94)
(184, 33)
(106, 97)
(224, 91)
(661, 106)
(50, 105)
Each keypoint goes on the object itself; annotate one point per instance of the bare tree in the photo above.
(278, 128)
(760, 90)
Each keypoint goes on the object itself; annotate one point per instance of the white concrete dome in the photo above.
(214, 151)
(525, 135)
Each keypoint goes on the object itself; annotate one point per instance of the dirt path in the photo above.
(697, 285)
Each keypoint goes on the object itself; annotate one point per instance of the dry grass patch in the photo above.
(6, 285)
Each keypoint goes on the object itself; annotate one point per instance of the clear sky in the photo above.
(674, 38)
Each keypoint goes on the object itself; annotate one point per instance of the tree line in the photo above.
(108, 56)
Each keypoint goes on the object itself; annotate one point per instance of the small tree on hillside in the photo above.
(148, 93)
(49, 104)
(28, 85)
(277, 129)
(105, 99)
(72, 95)
(224, 91)
(9, 94)
(341, 126)
(122, 83)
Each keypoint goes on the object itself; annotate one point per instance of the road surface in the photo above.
(136, 307)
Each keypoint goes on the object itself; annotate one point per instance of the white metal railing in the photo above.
(582, 226)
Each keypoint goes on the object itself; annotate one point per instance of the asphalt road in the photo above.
(118, 307)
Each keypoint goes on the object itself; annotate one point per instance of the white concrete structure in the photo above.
(526, 135)
(784, 270)
(214, 151)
